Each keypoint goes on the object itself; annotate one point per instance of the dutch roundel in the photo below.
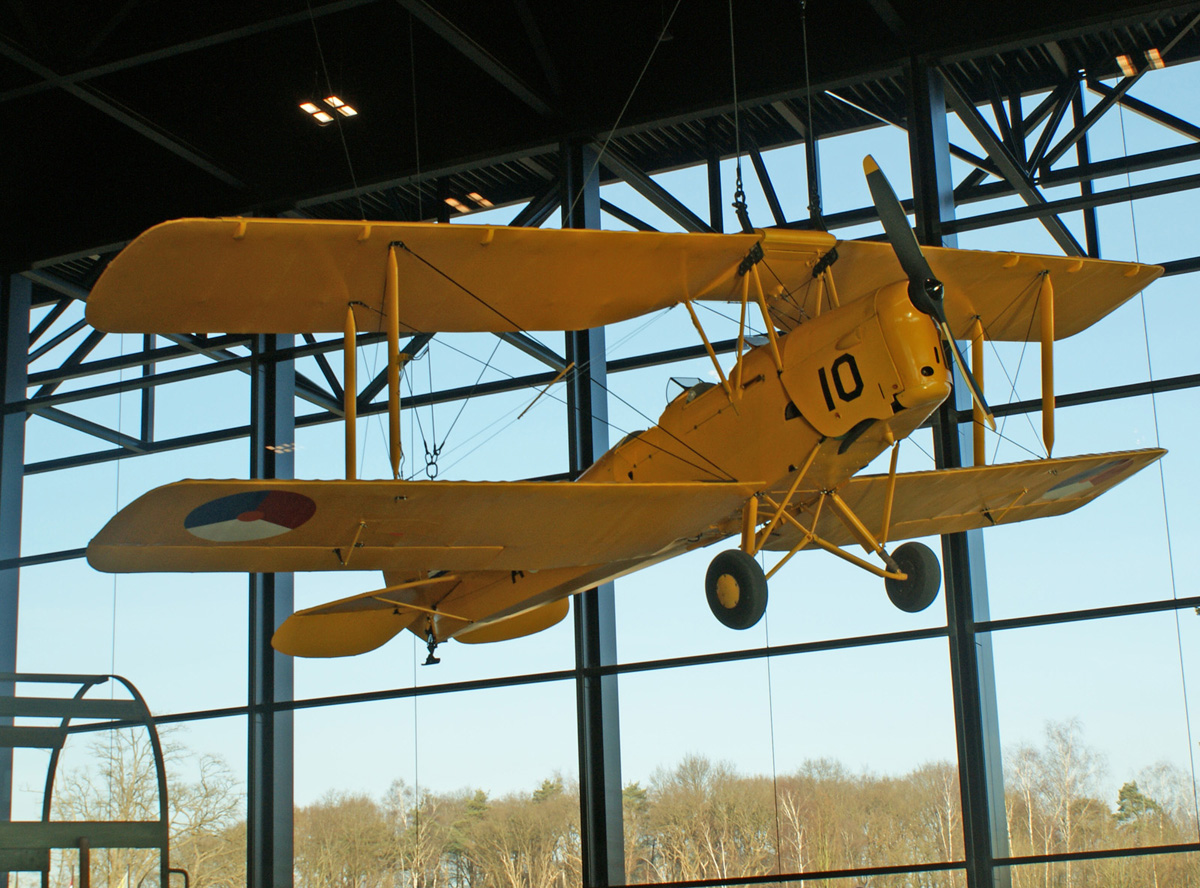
(253, 515)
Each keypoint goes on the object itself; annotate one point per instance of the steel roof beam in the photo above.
(625, 216)
(1110, 99)
(131, 119)
(73, 360)
(468, 47)
(1170, 121)
(1070, 204)
(48, 321)
(540, 208)
(79, 424)
(168, 52)
(764, 180)
(651, 190)
(1009, 167)
(535, 349)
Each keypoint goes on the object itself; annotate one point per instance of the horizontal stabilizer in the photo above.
(954, 500)
(518, 625)
(343, 634)
(405, 526)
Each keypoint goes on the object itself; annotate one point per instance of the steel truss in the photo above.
(1021, 153)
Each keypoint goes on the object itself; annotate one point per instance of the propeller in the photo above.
(924, 289)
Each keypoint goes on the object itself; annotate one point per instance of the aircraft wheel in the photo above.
(737, 589)
(924, 578)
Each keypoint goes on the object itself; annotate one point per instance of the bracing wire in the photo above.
(771, 725)
(720, 471)
(621, 114)
(739, 195)
(337, 117)
(1162, 480)
(412, 62)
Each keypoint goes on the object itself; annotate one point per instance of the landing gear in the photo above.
(431, 643)
(737, 589)
(924, 578)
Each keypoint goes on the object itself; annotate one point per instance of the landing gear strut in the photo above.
(737, 589)
(431, 643)
(924, 578)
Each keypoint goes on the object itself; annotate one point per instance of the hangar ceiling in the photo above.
(121, 115)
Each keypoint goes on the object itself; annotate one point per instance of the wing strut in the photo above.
(1046, 303)
(350, 390)
(391, 308)
(977, 416)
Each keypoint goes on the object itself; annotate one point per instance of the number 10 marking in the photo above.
(844, 392)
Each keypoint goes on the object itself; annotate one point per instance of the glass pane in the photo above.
(1099, 755)
(461, 785)
(751, 767)
(1157, 870)
(180, 637)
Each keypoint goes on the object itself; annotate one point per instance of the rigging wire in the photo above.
(609, 423)
(814, 188)
(621, 114)
(597, 383)
(1012, 381)
(1162, 480)
(337, 118)
(771, 723)
(462, 405)
(412, 63)
(739, 195)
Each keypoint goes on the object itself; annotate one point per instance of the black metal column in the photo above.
(269, 802)
(981, 776)
(595, 611)
(1091, 229)
(716, 215)
(15, 292)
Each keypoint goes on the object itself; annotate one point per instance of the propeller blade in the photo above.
(976, 392)
(895, 224)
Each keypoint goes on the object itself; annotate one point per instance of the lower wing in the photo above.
(954, 500)
(410, 526)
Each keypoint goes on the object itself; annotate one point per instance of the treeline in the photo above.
(703, 820)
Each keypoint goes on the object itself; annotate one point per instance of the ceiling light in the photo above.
(1154, 57)
(480, 199)
(334, 102)
(345, 110)
(323, 117)
(1126, 64)
(309, 107)
(457, 204)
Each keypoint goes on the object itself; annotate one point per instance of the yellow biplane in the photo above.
(860, 346)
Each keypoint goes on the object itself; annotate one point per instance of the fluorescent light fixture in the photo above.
(480, 199)
(345, 110)
(457, 204)
(309, 107)
(323, 117)
(1126, 64)
(1154, 57)
(334, 102)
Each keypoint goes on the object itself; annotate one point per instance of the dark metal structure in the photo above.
(120, 118)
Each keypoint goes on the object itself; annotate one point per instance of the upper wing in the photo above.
(298, 276)
(269, 526)
(1001, 289)
(953, 500)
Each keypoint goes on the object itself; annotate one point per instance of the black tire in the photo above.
(737, 589)
(924, 578)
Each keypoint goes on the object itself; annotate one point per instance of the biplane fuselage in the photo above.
(854, 381)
